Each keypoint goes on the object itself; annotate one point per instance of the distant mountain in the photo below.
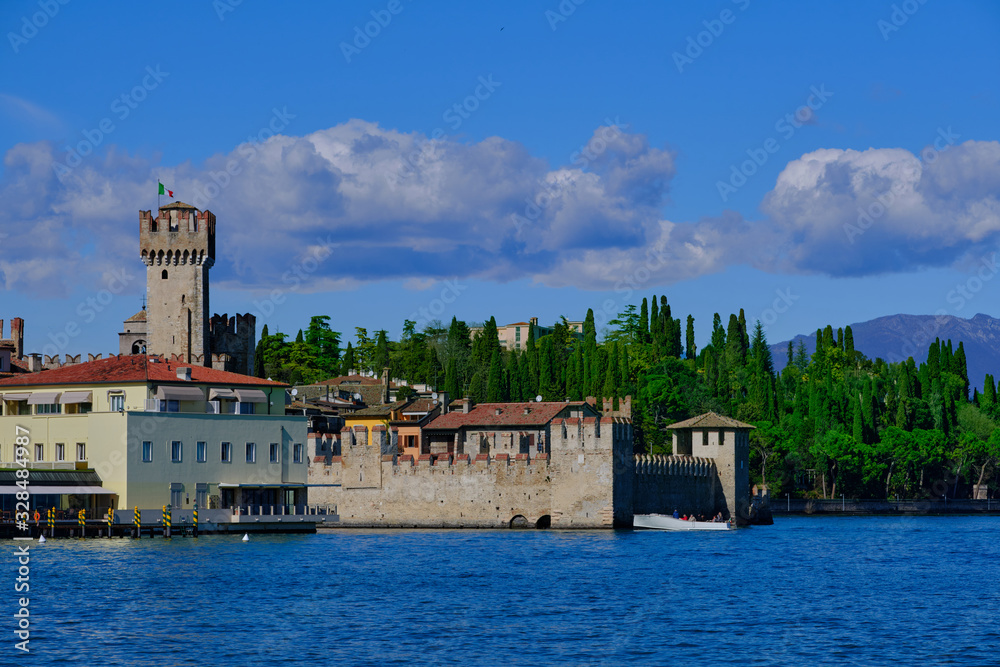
(896, 337)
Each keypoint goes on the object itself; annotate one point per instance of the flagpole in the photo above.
(157, 198)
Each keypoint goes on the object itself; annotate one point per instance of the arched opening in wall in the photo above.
(544, 521)
(163, 276)
(519, 521)
(139, 347)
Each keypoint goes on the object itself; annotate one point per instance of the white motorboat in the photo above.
(664, 522)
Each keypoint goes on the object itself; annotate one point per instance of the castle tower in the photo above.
(178, 249)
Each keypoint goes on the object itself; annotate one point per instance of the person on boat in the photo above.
(692, 518)
(677, 514)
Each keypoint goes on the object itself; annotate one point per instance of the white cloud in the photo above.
(394, 205)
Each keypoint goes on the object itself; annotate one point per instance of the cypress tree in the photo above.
(988, 399)
(381, 351)
(848, 340)
(857, 430)
(514, 373)
(531, 352)
(348, 364)
(527, 393)
(546, 384)
(644, 321)
(960, 364)
(654, 315)
(494, 389)
(609, 390)
(451, 379)
(576, 390)
(299, 338)
(258, 355)
(690, 353)
(623, 366)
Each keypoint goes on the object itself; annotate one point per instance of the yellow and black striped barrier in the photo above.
(52, 521)
(166, 520)
(196, 519)
(111, 520)
(82, 519)
(137, 520)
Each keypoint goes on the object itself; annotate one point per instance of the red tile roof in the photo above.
(351, 380)
(709, 420)
(511, 414)
(421, 405)
(133, 368)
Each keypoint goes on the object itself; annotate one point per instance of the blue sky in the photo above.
(477, 159)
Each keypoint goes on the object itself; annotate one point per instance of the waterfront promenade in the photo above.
(853, 506)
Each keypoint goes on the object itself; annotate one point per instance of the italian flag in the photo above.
(164, 191)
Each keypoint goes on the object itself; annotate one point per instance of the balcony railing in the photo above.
(208, 407)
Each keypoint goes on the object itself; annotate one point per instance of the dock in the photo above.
(169, 523)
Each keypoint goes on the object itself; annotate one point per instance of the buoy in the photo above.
(41, 539)
(246, 537)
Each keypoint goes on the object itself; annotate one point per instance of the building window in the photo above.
(201, 452)
(201, 495)
(170, 405)
(81, 451)
(163, 275)
(39, 452)
(176, 450)
(245, 408)
(251, 452)
(176, 494)
(147, 451)
(47, 409)
(274, 452)
(227, 452)
(60, 451)
(297, 453)
(117, 402)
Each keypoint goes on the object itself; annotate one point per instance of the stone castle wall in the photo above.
(235, 337)
(586, 482)
(683, 483)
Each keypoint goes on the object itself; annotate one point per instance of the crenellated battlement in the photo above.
(687, 466)
(55, 361)
(178, 235)
(16, 340)
(237, 324)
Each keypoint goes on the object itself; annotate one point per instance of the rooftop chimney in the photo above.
(34, 362)
(467, 406)
(184, 373)
(527, 410)
(498, 412)
(385, 385)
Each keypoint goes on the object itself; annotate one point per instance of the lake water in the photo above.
(817, 591)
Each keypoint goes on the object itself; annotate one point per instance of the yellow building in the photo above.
(375, 415)
(155, 433)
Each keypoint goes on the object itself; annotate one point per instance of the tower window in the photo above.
(163, 276)
(182, 298)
